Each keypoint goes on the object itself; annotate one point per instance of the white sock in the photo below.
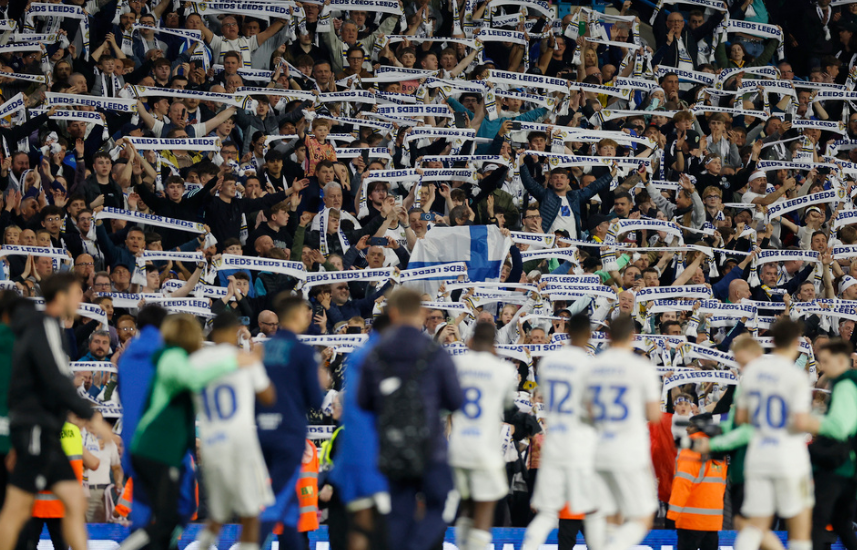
(247, 546)
(136, 540)
(749, 538)
(627, 535)
(800, 545)
(539, 529)
(478, 540)
(206, 539)
(595, 530)
(462, 531)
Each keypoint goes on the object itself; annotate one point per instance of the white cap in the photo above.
(847, 282)
(490, 167)
(757, 174)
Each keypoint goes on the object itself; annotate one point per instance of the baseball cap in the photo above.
(596, 219)
(490, 167)
(692, 139)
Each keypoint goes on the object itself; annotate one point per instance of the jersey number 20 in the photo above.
(775, 413)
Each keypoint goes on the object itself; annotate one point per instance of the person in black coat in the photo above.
(224, 213)
(174, 204)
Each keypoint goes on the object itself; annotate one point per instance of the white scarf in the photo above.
(322, 235)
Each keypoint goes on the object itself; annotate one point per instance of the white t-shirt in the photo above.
(226, 407)
(773, 389)
(562, 379)
(489, 385)
(565, 219)
(619, 387)
(245, 46)
(107, 457)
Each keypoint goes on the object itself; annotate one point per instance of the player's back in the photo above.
(225, 407)
(619, 386)
(773, 389)
(489, 385)
(562, 379)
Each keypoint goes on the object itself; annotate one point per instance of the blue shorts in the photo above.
(286, 508)
(356, 482)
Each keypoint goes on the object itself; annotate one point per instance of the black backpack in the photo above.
(403, 430)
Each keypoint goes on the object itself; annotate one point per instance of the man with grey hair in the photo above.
(333, 199)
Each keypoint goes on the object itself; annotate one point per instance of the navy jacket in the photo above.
(282, 427)
(549, 201)
(439, 383)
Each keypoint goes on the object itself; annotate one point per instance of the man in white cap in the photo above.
(848, 288)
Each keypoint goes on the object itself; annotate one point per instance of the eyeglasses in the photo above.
(229, 25)
(712, 197)
(534, 217)
(434, 318)
(84, 264)
(267, 324)
(52, 219)
(100, 284)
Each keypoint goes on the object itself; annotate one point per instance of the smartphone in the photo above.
(318, 309)
(365, 154)
(516, 126)
(460, 120)
(353, 330)
(427, 217)
(377, 241)
(788, 117)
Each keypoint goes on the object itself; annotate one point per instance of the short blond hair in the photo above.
(745, 342)
(182, 330)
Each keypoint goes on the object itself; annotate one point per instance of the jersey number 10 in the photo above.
(221, 400)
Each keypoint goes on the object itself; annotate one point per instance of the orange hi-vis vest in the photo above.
(565, 513)
(123, 506)
(47, 505)
(307, 489)
(696, 502)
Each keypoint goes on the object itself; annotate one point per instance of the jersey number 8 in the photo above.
(471, 408)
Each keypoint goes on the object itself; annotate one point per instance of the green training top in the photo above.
(733, 439)
(7, 342)
(167, 428)
(840, 422)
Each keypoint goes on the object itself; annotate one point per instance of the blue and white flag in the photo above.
(483, 248)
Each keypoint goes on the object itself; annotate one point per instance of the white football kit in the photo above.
(619, 386)
(777, 470)
(567, 467)
(475, 443)
(232, 464)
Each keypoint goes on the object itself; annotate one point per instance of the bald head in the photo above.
(738, 290)
(267, 322)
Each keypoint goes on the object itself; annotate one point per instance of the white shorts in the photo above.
(786, 497)
(237, 483)
(558, 485)
(480, 484)
(631, 492)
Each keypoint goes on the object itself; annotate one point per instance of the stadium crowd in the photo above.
(690, 165)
